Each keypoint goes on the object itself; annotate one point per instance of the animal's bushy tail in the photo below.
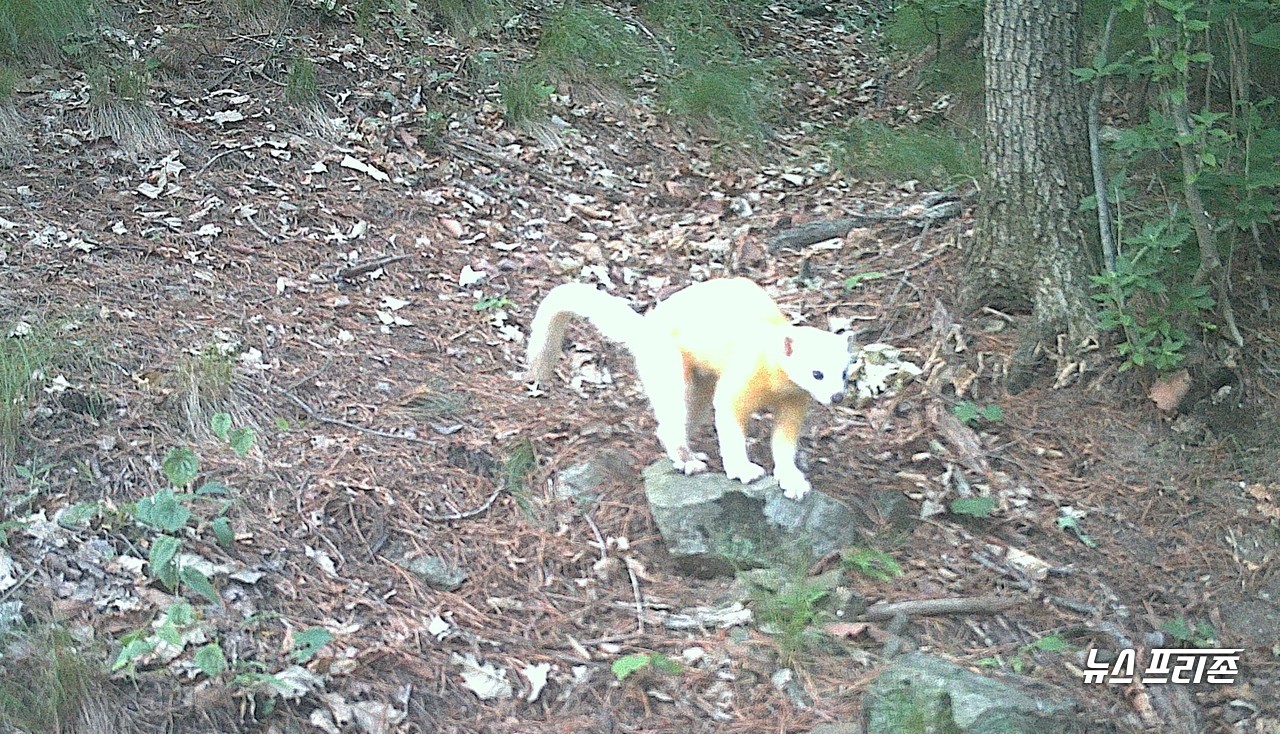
(610, 314)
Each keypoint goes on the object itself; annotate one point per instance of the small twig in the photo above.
(311, 413)
(635, 583)
(599, 538)
(18, 585)
(469, 513)
(308, 378)
(635, 592)
(937, 607)
(249, 218)
(218, 157)
(356, 271)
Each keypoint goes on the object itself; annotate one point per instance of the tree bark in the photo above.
(1034, 248)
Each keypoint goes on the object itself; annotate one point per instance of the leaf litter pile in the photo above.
(282, 467)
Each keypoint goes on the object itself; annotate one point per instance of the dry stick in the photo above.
(356, 271)
(635, 584)
(469, 513)
(936, 607)
(311, 413)
(1095, 152)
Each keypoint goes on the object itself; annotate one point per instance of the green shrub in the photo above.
(949, 29)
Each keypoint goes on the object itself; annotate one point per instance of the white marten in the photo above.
(722, 344)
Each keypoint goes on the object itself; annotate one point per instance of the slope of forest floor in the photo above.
(353, 281)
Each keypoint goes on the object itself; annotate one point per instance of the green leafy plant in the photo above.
(1151, 295)
(492, 303)
(240, 438)
(211, 660)
(873, 563)
(1069, 520)
(306, 643)
(628, 665)
(971, 414)
(1200, 634)
(853, 281)
(979, 507)
(1196, 176)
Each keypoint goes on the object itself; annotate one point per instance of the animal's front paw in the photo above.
(692, 466)
(794, 485)
(745, 473)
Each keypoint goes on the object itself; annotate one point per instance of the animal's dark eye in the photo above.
(817, 374)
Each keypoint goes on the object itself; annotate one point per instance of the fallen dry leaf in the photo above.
(1169, 392)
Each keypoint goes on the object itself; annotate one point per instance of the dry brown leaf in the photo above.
(452, 225)
(847, 630)
(1169, 392)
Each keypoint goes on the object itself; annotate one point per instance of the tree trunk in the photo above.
(1034, 248)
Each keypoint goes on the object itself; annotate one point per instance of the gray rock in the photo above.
(1254, 620)
(713, 525)
(918, 692)
(837, 729)
(437, 572)
(582, 482)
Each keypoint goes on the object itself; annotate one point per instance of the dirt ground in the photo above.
(391, 422)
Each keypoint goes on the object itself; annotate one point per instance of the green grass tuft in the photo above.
(713, 80)
(792, 614)
(302, 84)
(9, 80)
(32, 27)
(22, 359)
(588, 42)
(939, 155)
(470, 17)
(730, 97)
(518, 460)
(525, 93)
(47, 680)
(948, 29)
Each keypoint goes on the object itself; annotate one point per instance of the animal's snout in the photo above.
(837, 398)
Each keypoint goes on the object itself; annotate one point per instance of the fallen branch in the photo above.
(807, 234)
(939, 607)
(356, 271)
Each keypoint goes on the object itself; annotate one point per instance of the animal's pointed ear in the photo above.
(788, 345)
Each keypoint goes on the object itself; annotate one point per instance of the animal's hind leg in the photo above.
(698, 393)
(661, 369)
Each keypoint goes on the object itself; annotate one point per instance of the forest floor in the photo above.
(353, 281)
